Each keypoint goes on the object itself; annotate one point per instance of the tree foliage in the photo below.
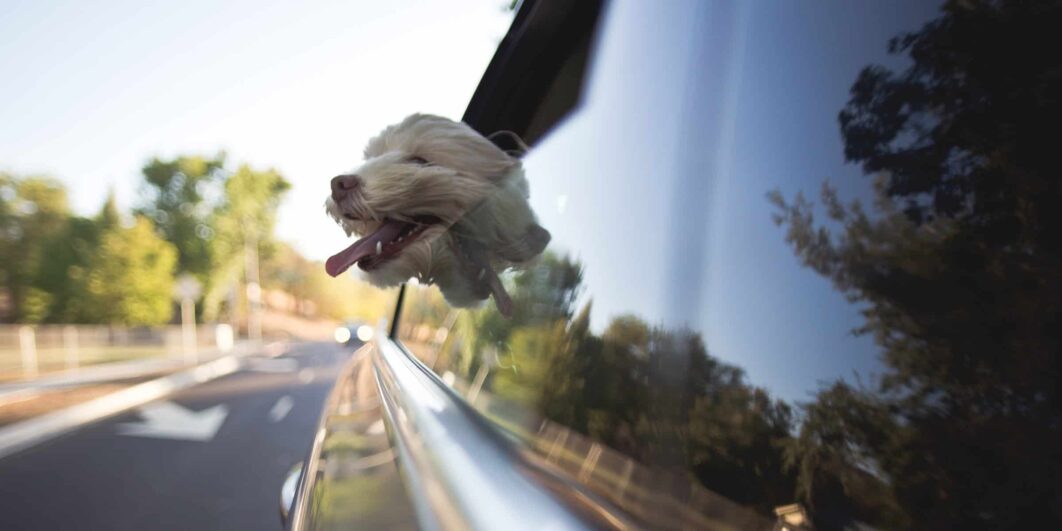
(32, 210)
(180, 195)
(245, 217)
(68, 269)
(129, 279)
(71, 252)
(959, 272)
(71, 269)
(654, 393)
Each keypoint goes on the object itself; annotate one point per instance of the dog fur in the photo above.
(432, 166)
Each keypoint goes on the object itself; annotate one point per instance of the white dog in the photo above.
(437, 201)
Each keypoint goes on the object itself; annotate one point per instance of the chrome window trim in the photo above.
(461, 472)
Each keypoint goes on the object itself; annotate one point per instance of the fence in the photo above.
(663, 500)
(30, 351)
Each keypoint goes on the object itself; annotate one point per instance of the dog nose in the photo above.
(342, 184)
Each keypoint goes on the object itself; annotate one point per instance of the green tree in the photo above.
(70, 252)
(129, 279)
(835, 459)
(615, 391)
(180, 196)
(959, 274)
(702, 416)
(109, 217)
(243, 222)
(653, 393)
(536, 355)
(32, 211)
(541, 295)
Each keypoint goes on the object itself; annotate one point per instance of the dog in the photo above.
(436, 201)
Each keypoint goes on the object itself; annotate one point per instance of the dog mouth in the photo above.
(383, 244)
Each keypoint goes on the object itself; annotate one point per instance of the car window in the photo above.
(769, 289)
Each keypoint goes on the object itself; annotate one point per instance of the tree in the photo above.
(541, 295)
(32, 211)
(109, 217)
(655, 394)
(535, 345)
(213, 217)
(129, 279)
(615, 393)
(702, 415)
(834, 458)
(243, 222)
(180, 195)
(959, 272)
(70, 252)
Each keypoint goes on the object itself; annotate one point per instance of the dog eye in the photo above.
(419, 160)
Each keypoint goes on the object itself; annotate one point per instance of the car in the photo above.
(682, 355)
(353, 333)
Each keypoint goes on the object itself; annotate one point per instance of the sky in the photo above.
(92, 90)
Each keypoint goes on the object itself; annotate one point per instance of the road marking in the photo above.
(167, 420)
(306, 376)
(281, 408)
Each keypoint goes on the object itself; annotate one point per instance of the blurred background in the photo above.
(154, 154)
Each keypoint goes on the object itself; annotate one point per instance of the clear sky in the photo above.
(91, 90)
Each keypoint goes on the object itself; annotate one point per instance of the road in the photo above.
(212, 456)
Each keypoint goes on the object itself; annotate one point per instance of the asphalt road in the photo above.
(134, 471)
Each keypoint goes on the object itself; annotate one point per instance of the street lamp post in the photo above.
(186, 291)
(254, 289)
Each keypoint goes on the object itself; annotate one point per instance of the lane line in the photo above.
(281, 408)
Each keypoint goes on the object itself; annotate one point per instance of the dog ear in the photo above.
(529, 245)
(510, 143)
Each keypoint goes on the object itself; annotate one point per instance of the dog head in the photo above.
(437, 201)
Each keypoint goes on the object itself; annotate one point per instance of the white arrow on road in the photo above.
(166, 420)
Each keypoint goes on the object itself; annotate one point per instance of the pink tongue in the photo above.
(366, 246)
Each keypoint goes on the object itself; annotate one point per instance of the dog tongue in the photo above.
(366, 246)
